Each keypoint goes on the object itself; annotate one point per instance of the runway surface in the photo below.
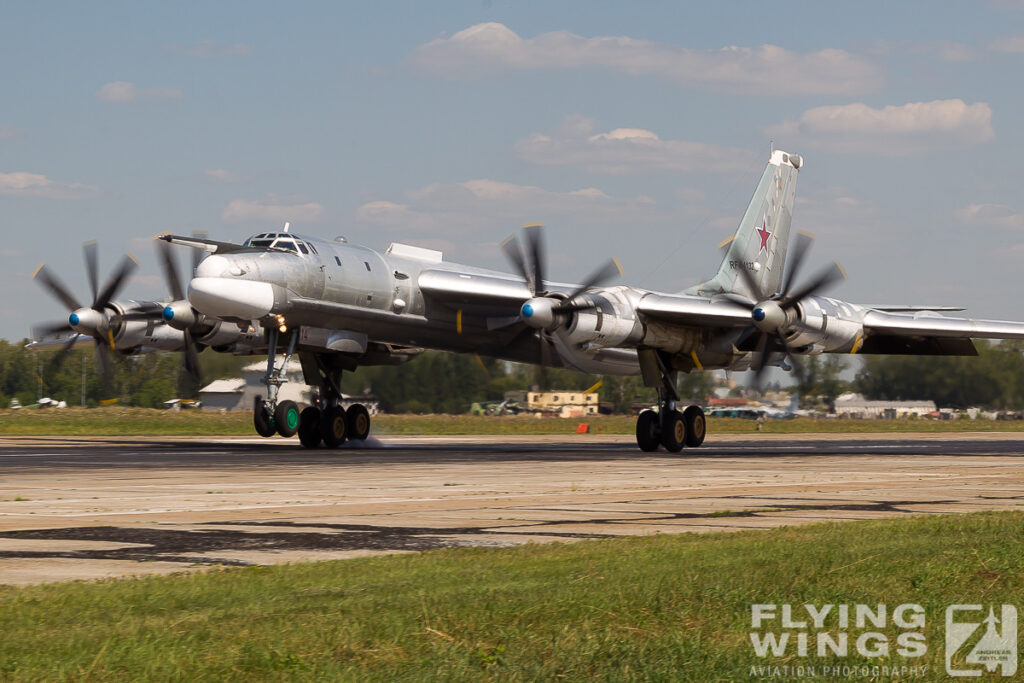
(89, 508)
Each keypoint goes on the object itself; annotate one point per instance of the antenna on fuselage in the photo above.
(286, 226)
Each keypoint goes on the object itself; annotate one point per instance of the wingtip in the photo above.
(165, 235)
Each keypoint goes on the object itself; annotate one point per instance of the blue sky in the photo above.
(630, 129)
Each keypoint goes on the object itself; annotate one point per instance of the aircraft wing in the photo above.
(923, 325)
(455, 288)
(693, 310)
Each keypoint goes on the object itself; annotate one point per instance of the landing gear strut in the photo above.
(325, 422)
(667, 426)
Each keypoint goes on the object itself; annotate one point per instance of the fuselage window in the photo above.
(367, 264)
(337, 260)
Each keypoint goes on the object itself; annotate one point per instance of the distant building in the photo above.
(856, 406)
(564, 403)
(239, 393)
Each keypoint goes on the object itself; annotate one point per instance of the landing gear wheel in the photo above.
(696, 426)
(334, 427)
(673, 432)
(648, 436)
(262, 420)
(358, 422)
(309, 427)
(286, 418)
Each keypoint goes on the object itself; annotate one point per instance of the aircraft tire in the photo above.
(696, 426)
(673, 432)
(262, 420)
(358, 422)
(333, 426)
(648, 436)
(286, 418)
(309, 427)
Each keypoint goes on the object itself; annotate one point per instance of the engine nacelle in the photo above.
(831, 325)
(612, 321)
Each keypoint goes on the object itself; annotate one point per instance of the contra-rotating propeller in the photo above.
(178, 313)
(545, 310)
(774, 315)
(97, 320)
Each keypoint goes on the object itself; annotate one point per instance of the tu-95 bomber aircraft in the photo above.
(339, 306)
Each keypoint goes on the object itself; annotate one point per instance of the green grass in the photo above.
(673, 607)
(121, 421)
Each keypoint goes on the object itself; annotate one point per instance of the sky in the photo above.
(636, 130)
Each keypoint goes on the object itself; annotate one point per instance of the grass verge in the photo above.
(120, 421)
(672, 607)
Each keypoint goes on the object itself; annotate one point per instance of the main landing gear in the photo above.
(667, 426)
(326, 421)
(670, 428)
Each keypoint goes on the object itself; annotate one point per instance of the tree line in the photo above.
(439, 382)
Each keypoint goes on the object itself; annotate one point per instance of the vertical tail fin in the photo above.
(762, 238)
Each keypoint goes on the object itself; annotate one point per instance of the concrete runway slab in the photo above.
(97, 507)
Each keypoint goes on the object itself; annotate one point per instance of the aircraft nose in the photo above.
(213, 266)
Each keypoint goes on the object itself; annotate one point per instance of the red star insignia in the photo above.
(764, 234)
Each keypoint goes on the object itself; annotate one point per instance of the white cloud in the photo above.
(271, 210)
(768, 69)
(467, 208)
(912, 128)
(627, 150)
(208, 48)
(991, 216)
(21, 184)
(1011, 44)
(943, 50)
(221, 175)
(123, 91)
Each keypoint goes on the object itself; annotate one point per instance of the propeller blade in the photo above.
(197, 254)
(59, 290)
(609, 271)
(192, 360)
(800, 249)
(49, 329)
(535, 240)
(103, 363)
(515, 254)
(752, 284)
(116, 281)
(825, 279)
(59, 357)
(798, 368)
(169, 263)
(92, 266)
(545, 360)
(566, 307)
(760, 356)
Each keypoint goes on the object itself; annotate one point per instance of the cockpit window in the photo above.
(279, 240)
(286, 244)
